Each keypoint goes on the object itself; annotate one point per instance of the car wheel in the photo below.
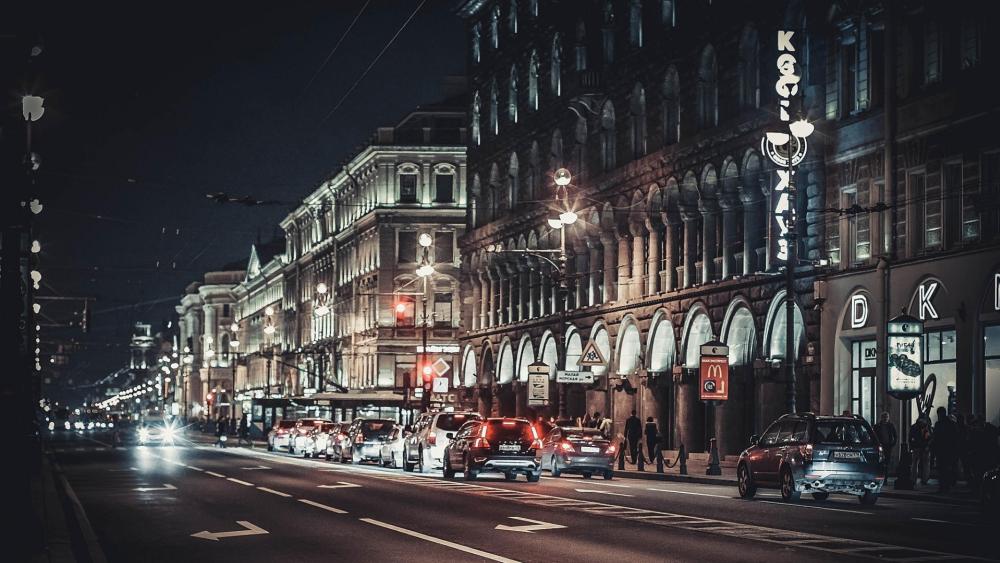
(788, 492)
(407, 465)
(534, 476)
(868, 499)
(608, 475)
(470, 473)
(270, 447)
(355, 458)
(745, 482)
(449, 473)
(821, 496)
(588, 475)
(556, 472)
(329, 457)
(305, 454)
(420, 461)
(509, 476)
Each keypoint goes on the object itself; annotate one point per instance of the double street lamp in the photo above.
(425, 270)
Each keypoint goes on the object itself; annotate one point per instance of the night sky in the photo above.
(148, 109)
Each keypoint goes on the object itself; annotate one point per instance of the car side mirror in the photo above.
(449, 435)
(754, 439)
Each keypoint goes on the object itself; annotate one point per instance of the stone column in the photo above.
(210, 328)
(690, 247)
(753, 217)
(583, 277)
(653, 261)
(669, 260)
(523, 287)
(545, 293)
(710, 214)
(535, 289)
(494, 294)
(638, 286)
(485, 294)
(729, 207)
(623, 268)
(608, 265)
(594, 267)
(477, 297)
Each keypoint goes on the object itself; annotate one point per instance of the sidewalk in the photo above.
(66, 535)
(698, 462)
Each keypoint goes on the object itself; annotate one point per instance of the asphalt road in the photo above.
(155, 504)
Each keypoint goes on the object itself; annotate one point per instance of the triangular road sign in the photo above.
(591, 356)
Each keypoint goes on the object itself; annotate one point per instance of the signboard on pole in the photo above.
(440, 385)
(563, 376)
(538, 389)
(538, 367)
(905, 357)
(714, 372)
(591, 356)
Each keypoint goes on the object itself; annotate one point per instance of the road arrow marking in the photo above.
(256, 468)
(129, 469)
(250, 530)
(165, 487)
(602, 492)
(535, 526)
(340, 485)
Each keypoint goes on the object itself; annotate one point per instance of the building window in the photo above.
(668, 11)
(476, 39)
(444, 247)
(495, 27)
(608, 33)
(512, 17)
(991, 357)
(749, 69)
(533, 81)
(671, 107)
(928, 201)
(476, 109)
(708, 90)
(513, 179)
(533, 8)
(848, 79)
(555, 70)
(635, 23)
(442, 309)
(969, 43)
(407, 248)
(580, 49)
(969, 193)
(494, 104)
(608, 137)
(444, 187)
(939, 358)
(858, 224)
(989, 187)
(637, 121)
(932, 52)
(863, 358)
(512, 95)
(407, 188)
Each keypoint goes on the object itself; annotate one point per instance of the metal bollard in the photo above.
(683, 456)
(621, 459)
(640, 460)
(659, 459)
(713, 460)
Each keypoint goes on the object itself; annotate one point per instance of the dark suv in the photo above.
(814, 454)
(506, 445)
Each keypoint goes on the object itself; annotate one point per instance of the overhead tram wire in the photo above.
(336, 47)
(373, 63)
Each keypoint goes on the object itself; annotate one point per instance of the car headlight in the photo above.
(168, 433)
(143, 434)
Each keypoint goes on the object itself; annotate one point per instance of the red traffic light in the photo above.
(210, 398)
(400, 307)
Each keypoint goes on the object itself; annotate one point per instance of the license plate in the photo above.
(510, 448)
(853, 456)
(590, 450)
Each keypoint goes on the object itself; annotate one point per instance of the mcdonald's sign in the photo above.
(714, 378)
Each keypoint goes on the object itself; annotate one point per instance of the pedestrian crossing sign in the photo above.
(591, 356)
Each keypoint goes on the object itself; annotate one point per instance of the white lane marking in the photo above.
(687, 493)
(214, 474)
(165, 487)
(439, 541)
(274, 492)
(126, 469)
(339, 485)
(817, 507)
(195, 468)
(323, 506)
(610, 484)
(936, 521)
(531, 528)
(600, 492)
(238, 481)
(251, 530)
(255, 468)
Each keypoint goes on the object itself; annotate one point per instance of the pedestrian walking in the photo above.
(220, 431)
(885, 431)
(920, 439)
(945, 447)
(244, 432)
(595, 422)
(652, 436)
(633, 434)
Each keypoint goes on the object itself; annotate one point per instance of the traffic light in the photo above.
(404, 311)
(210, 399)
(427, 372)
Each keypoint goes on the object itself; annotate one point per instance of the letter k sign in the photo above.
(925, 295)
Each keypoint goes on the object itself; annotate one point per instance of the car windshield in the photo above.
(372, 428)
(286, 424)
(842, 432)
(583, 433)
(451, 422)
(509, 430)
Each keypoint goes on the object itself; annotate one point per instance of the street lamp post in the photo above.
(425, 271)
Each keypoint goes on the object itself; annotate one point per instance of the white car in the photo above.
(302, 435)
(391, 454)
(157, 432)
(425, 447)
(279, 436)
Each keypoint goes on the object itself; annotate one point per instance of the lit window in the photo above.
(407, 188)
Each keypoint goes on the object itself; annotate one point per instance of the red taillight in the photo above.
(481, 443)
(341, 436)
(359, 439)
(536, 444)
(432, 438)
(567, 446)
(611, 450)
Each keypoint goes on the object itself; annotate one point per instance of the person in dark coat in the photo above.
(633, 434)
(652, 436)
(885, 431)
(945, 447)
(920, 439)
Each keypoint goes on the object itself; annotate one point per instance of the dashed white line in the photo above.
(273, 492)
(687, 493)
(195, 468)
(238, 481)
(439, 541)
(936, 521)
(817, 507)
(214, 474)
(323, 506)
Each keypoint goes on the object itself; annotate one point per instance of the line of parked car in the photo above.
(452, 442)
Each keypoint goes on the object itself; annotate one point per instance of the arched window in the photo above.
(533, 8)
(512, 17)
(476, 40)
(637, 121)
(608, 33)
(495, 27)
(607, 137)
(668, 10)
(533, 81)
(532, 181)
(580, 48)
(671, 107)
(708, 90)
(556, 151)
(513, 188)
(512, 95)
(494, 104)
(580, 147)
(749, 69)
(407, 175)
(555, 70)
(635, 23)
(476, 108)
(444, 183)
(496, 199)
(475, 218)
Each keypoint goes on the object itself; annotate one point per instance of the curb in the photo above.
(77, 518)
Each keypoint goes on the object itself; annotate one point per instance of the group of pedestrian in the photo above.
(597, 422)
(225, 427)
(966, 442)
